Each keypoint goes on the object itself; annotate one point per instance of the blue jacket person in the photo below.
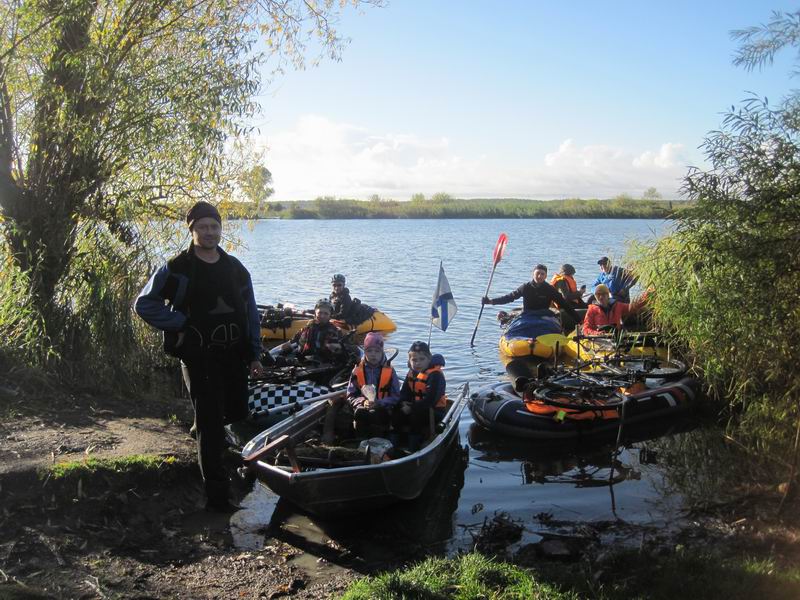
(203, 301)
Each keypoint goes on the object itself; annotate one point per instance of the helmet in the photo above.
(338, 278)
(324, 303)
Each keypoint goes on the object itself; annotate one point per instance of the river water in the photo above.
(393, 266)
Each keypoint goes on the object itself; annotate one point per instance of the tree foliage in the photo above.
(651, 193)
(255, 185)
(114, 113)
(727, 279)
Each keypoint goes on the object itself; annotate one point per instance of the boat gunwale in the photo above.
(452, 418)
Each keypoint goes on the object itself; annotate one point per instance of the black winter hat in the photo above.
(200, 210)
(420, 347)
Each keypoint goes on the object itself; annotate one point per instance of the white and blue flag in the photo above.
(443, 308)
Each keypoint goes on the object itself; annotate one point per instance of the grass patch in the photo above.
(627, 575)
(136, 463)
(466, 577)
(698, 575)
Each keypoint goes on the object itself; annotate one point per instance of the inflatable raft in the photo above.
(282, 323)
(640, 343)
(560, 413)
(533, 333)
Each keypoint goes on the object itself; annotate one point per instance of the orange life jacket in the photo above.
(560, 413)
(384, 383)
(419, 385)
(539, 407)
(573, 287)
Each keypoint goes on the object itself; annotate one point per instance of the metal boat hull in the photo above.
(356, 488)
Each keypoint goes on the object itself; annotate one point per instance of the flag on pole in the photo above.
(443, 308)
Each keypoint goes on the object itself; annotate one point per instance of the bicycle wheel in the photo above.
(645, 366)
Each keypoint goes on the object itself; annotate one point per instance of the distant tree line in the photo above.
(444, 206)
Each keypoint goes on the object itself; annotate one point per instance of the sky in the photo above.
(513, 98)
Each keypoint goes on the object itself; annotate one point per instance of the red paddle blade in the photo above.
(500, 248)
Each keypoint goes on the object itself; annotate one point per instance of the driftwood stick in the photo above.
(275, 444)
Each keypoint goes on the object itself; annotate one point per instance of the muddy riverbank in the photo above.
(127, 521)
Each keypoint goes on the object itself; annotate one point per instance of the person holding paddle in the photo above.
(536, 295)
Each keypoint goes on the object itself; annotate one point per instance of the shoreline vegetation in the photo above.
(444, 206)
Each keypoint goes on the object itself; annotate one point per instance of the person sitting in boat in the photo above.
(373, 390)
(536, 295)
(423, 390)
(564, 282)
(608, 311)
(320, 338)
(347, 309)
(618, 280)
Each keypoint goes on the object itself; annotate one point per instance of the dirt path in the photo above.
(128, 534)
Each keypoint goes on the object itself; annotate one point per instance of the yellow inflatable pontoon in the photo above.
(281, 324)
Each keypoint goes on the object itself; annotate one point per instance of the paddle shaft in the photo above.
(480, 313)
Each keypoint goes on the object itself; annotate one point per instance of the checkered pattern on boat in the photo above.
(269, 395)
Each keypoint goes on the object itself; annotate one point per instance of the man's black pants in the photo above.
(217, 385)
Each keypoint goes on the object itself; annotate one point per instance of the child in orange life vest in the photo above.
(423, 389)
(373, 390)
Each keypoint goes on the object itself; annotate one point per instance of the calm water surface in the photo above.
(393, 265)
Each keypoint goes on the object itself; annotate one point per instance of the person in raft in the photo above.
(564, 282)
(373, 390)
(320, 339)
(423, 389)
(608, 311)
(347, 309)
(536, 294)
(203, 301)
(618, 280)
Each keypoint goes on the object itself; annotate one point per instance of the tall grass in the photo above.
(727, 279)
(23, 338)
(90, 338)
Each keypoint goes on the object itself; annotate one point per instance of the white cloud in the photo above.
(322, 157)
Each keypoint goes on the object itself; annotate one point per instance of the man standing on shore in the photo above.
(203, 301)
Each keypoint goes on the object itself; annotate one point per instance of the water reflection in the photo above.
(706, 468)
(574, 482)
(365, 542)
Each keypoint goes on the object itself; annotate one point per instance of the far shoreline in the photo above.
(330, 208)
